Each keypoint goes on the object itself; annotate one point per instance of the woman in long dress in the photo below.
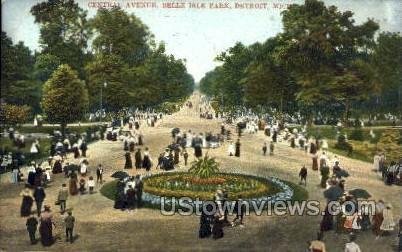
(315, 162)
(217, 228)
(146, 161)
(378, 217)
(46, 227)
(27, 201)
(205, 226)
(237, 152)
(388, 223)
(129, 163)
(72, 186)
(231, 149)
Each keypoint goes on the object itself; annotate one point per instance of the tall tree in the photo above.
(64, 31)
(321, 45)
(120, 34)
(65, 97)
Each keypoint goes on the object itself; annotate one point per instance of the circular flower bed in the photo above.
(183, 184)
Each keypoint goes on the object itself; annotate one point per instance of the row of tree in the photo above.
(322, 63)
(112, 47)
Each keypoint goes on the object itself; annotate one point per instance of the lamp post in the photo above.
(101, 101)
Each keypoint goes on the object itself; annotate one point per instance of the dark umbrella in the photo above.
(175, 130)
(174, 146)
(72, 167)
(333, 193)
(342, 173)
(120, 175)
(360, 193)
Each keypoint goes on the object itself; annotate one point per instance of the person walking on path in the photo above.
(69, 221)
(32, 225)
(39, 196)
(99, 174)
(303, 175)
(62, 198)
(237, 152)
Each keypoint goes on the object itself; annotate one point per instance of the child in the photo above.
(91, 184)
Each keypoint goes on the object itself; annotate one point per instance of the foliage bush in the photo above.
(357, 134)
(342, 144)
(14, 114)
(204, 167)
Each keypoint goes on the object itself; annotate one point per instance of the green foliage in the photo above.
(204, 167)
(45, 65)
(64, 31)
(357, 134)
(389, 143)
(121, 34)
(342, 144)
(14, 114)
(112, 70)
(65, 98)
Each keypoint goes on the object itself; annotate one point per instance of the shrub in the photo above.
(14, 114)
(357, 134)
(342, 144)
(204, 167)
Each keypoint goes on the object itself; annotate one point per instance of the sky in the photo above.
(198, 35)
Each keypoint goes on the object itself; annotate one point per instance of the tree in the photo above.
(120, 34)
(18, 85)
(65, 98)
(321, 46)
(64, 31)
(45, 65)
(14, 114)
(112, 70)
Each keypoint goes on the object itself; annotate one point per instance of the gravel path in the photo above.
(102, 228)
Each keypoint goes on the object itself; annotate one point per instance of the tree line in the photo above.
(79, 54)
(323, 63)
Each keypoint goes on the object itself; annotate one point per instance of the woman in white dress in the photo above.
(376, 162)
(388, 223)
(231, 148)
(189, 139)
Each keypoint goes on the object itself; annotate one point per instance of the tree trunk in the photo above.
(346, 115)
(63, 129)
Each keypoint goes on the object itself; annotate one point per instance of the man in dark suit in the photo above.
(39, 196)
(32, 224)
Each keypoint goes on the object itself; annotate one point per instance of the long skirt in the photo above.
(146, 163)
(128, 164)
(205, 230)
(45, 230)
(198, 151)
(377, 221)
(217, 230)
(315, 164)
(72, 187)
(26, 206)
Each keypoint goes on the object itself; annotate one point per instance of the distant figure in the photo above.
(39, 196)
(91, 184)
(185, 156)
(351, 246)
(69, 222)
(237, 152)
(138, 159)
(62, 198)
(99, 174)
(129, 163)
(271, 148)
(32, 225)
(27, 201)
(46, 227)
(264, 149)
(303, 175)
(317, 245)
